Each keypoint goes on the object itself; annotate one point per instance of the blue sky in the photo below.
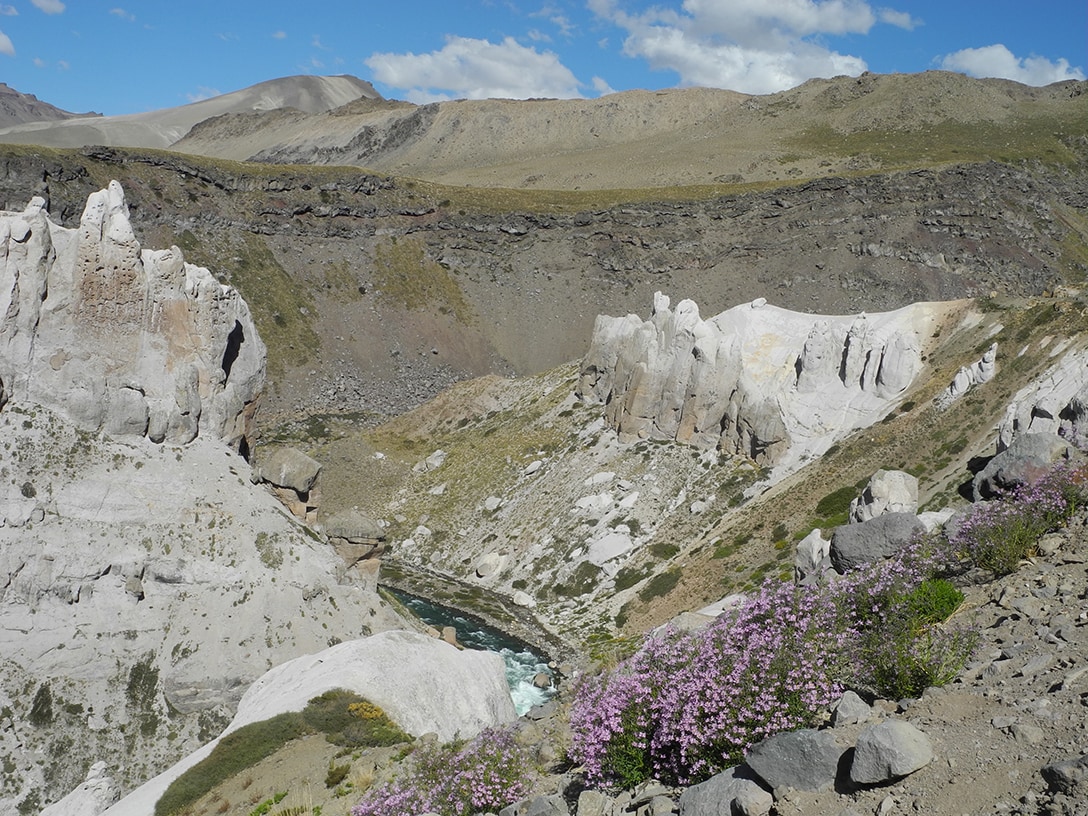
(129, 56)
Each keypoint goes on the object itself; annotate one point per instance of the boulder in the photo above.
(881, 537)
(811, 557)
(888, 491)
(423, 684)
(1068, 775)
(290, 468)
(553, 805)
(119, 339)
(1025, 461)
(806, 760)
(850, 710)
(734, 791)
(354, 527)
(888, 751)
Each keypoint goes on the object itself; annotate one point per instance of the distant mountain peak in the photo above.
(17, 108)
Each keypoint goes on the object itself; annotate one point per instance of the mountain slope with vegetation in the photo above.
(437, 301)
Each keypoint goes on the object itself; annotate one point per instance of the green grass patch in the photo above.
(282, 310)
(345, 718)
(405, 276)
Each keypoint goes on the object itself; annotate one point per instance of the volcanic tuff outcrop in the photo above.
(119, 339)
(756, 380)
(144, 580)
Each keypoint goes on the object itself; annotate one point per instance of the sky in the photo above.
(131, 56)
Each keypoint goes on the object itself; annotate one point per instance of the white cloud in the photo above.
(999, 61)
(279, 35)
(49, 6)
(745, 45)
(39, 62)
(124, 15)
(476, 69)
(601, 86)
(5, 45)
(899, 19)
(8, 11)
(62, 65)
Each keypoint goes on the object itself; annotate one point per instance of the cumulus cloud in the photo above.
(8, 11)
(279, 35)
(5, 45)
(123, 14)
(999, 61)
(476, 69)
(746, 45)
(49, 6)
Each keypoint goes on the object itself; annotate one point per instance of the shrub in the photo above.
(344, 717)
(996, 535)
(687, 705)
(457, 779)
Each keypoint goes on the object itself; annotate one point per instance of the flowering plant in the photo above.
(687, 705)
(456, 779)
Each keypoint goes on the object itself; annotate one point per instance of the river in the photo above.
(522, 664)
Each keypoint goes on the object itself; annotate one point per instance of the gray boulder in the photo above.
(553, 805)
(806, 760)
(855, 544)
(888, 751)
(1025, 461)
(735, 791)
(1065, 777)
(850, 710)
(287, 467)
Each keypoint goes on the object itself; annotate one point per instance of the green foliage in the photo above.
(344, 717)
(836, 503)
(628, 577)
(336, 774)
(41, 710)
(662, 549)
(350, 720)
(661, 584)
(933, 601)
(626, 755)
(267, 805)
(583, 581)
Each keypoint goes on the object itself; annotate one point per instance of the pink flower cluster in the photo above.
(688, 705)
(458, 779)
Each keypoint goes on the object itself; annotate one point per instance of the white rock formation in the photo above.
(425, 685)
(119, 339)
(756, 380)
(96, 793)
(1055, 403)
(154, 586)
(969, 376)
(888, 491)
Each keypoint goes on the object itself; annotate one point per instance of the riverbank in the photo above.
(491, 609)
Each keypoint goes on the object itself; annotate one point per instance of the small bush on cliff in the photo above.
(344, 717)
(457, 779)
(997, 535)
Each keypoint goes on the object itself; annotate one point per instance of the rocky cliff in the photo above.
(374, 293)
(763, 382)
(144, 580)
(122, 340)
